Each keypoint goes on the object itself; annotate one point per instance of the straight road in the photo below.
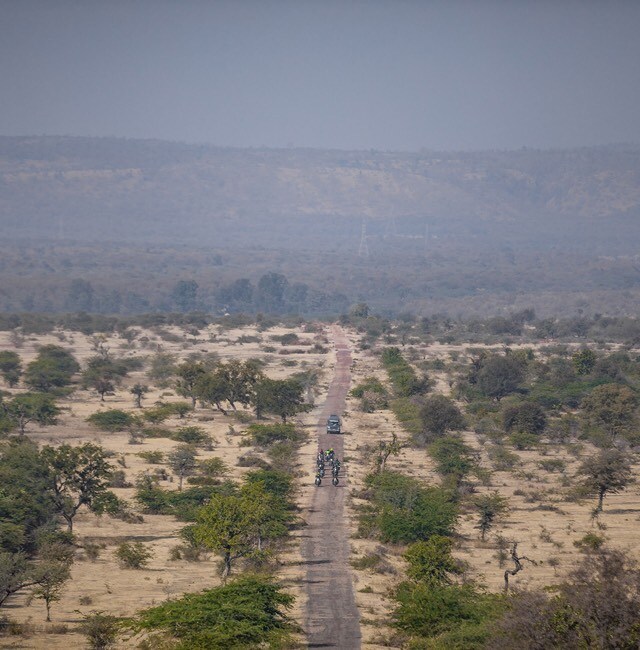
(332, 619)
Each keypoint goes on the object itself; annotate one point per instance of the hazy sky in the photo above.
(382, 74)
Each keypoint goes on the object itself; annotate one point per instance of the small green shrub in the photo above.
(246, 613)
(156, 432)
(213, 467)
(118, 479)
(111, 420)
(369, 561)
(552, 465)
(264, 435)
(133, 555)
(502, 459)
(192, 436)
(100, 629)
(521, 440)
(590, 542)
(153, 457)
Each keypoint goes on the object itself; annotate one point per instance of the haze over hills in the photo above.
(438, 225)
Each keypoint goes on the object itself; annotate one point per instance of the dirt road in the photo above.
(331, 619)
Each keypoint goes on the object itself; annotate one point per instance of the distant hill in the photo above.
(476, 232)
(144, 190)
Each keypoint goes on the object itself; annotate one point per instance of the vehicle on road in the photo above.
(333, 424)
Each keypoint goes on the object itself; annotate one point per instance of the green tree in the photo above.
(226, 525)
(241, 379)
(139, 391)
(189, 373)
(608, 472)
(611, 407)
(182, 461)
(52, 368)
(454, 459)
(184, 295)
(584, 361)
(50, 576)
(31, 407)
(490, 507)
(103, 374)
(77, 476)
(270, 292)
(499, 376)
(403, 510)
(100, 629)
(15, 574)
(133, 555)
(527, 417)
(162, 369)
(212, 388)
(25, 504)
(431, 560)
(268, 510)
(359, 310)
(282, 397)
(440, 414)
(10, 367)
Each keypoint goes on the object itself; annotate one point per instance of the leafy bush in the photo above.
(552, 465)
(183, 505)
(454, 459)
(403, 377)
(369, 561)
(403, 510)
(372, 394)
(407, 411)
(369, 384)
(156, 432)
(133, 555)
(521, 440)
(527, 417)
(247, 613)
(251, 460)
(100, 629)
(213, 467)
(111, 420)
(264, 435)
(192, 436)
(426, 610)
(279, 484)
(153, 457)
(118, 479)
(502, 459)
(440, 414)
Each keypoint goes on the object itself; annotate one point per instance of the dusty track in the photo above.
(331, 619)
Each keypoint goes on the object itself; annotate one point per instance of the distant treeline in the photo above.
(271, 294)
(518, 326)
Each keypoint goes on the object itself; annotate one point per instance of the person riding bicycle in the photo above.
(329, 453)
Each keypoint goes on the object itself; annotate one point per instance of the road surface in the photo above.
(331, 619)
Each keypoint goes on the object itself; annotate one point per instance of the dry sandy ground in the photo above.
(103, 585)
(540, 518)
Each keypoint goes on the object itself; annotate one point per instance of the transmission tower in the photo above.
(363, 249)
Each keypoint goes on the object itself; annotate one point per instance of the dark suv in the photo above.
(333, 424)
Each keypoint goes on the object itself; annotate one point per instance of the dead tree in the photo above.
(386, 449)
(517, 560)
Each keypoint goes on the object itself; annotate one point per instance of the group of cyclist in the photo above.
(323, 457)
